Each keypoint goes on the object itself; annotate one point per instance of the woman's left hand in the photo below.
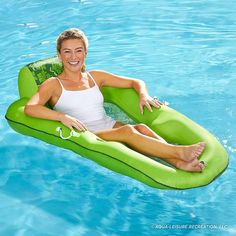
(146, 100)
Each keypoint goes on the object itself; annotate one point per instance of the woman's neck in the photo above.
(73, 76)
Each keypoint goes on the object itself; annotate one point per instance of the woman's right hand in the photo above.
(72, 122)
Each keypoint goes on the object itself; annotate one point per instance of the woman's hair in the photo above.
(72, 33)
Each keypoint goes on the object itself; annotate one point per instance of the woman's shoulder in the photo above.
(50, 83)
(98, 76)
(98, 72)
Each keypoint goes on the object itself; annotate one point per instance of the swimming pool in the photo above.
(184, 52)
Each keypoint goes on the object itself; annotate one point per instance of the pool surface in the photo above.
(185, 52)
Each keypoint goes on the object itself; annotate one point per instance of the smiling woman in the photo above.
(78, 103)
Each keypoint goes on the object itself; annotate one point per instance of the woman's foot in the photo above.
(192, 152)
(193, 166)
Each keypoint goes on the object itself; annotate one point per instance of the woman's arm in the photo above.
(104, 78)
(36, 107)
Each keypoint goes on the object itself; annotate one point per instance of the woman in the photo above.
(78, 103)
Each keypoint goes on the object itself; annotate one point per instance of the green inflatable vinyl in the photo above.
(170, 124)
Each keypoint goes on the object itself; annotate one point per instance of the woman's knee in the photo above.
(127, 130)
(141, 127)
(122, 134)
(117, 134)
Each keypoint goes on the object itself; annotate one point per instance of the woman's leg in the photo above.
(183, 157)
(143, 129)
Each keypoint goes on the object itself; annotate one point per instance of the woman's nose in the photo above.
(73, 55)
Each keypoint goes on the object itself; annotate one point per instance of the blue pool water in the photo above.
(185, 52)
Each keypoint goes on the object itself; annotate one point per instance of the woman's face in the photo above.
(72, 54)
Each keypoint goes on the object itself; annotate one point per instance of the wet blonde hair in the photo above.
(72, 33)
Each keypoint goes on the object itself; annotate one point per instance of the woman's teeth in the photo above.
(73, 62)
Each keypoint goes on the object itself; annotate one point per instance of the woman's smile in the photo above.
(74, 63)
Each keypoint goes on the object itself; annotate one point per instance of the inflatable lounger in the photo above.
(171, 125)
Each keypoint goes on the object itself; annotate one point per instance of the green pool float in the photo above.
(173, 126)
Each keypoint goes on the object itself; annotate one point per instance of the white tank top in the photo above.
(86, 106)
